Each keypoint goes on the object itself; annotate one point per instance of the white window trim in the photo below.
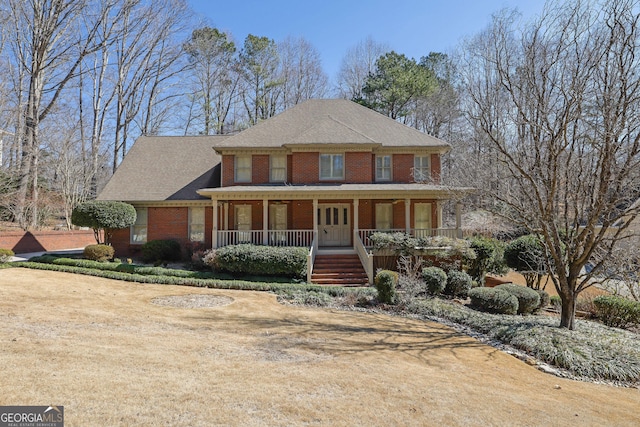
(271, 168)
(236, 169)
(421, 170)
(383, 168)
(331, 178)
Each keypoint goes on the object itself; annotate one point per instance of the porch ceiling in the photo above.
(336, 191)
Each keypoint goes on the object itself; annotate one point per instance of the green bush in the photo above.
(435, 280)
(99, 253)
(209, 259)
(493, 300)
(263, 260)
(617, 311)
(5, 255)
(458, 284)
(489, 258)
(103, 215)
(528, 299)
(545, 299)
(161, 251)
(555, 301)
(385, 282)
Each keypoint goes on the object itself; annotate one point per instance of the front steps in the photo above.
(338, 269)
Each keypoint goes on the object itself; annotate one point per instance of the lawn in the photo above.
(113, 353)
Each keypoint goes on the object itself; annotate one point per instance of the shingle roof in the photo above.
(165, 168)
(322, 121)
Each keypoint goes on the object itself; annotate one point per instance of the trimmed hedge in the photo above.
(458, 284)
(493, 300)
(386, 281)
(528, 299)
(617, 311)
(161, 251)
(98, 252)
(264, 260)
(6, 255)
(435, 280)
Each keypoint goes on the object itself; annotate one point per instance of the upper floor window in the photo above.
(196, 224)
(421, 169)
(243, 168)
(331, 166)
(138, 231)
(278, 168)
(383, 168)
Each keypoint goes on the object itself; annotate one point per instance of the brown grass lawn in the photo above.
(111, 357)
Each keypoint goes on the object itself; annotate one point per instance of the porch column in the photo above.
(459, 220)
(225, 215)
(265, 222)
(315, 219)
(356, 204)
(407, 215)
(214, 228)
(439, 214)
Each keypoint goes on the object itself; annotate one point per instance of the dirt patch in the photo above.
(193, 301)
(110, 357)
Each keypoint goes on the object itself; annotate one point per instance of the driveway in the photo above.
(116, 353)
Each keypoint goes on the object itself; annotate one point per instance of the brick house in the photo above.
(324, 174)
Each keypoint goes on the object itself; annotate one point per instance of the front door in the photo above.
(334, 225)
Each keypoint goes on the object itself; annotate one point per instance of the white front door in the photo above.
(334, 225)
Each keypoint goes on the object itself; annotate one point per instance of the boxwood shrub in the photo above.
(161, 251)
(458, 284)
(263, 260)
(435, 280)
(617, 311)
(493, 300)
(528, 299)
(98, 252)
(385, 282)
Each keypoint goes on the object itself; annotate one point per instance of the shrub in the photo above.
(528, 299)
(209, 259)
(5, 255)
(262, 260)
(103, 215)
(493, 300)
(617, 311)
(545, 299)
(458, 284)
(489, 258)
(161, 250)
(386, 281)
(435, 280)
(99, 252)
(526, 255)
(555, 301)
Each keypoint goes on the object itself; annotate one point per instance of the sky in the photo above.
(410, 27)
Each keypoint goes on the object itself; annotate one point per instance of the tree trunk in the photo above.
(568, 313)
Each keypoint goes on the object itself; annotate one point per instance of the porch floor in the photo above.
(338, 269)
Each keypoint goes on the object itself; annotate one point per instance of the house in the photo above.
(324, 174)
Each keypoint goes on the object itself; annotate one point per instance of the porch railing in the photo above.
(366, 258)
(311, 256)
(303, 238)
(365, 234)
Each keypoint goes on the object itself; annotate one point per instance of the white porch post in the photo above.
(439, 214)
(315, 219)
(356, 225)
(225, 215)
(214, 231)
(459, 220)
(265, 221)
(407, 215)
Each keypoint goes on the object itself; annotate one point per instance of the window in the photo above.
(383, 168)
(196, 224)
(422, 219)
(138, 231)
(243, 169)
(243, 223)
(278, 168)
(384, 216)
(421, 169)
(278, 221)
(331, 166)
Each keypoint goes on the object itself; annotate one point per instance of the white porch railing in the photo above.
(365, 234)
(311, 256)
(303, 238)
(366, 258)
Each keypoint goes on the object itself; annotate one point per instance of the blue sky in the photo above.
(412, 27)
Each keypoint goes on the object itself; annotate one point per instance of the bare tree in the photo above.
(300, 72)
(558, 99)
(358, 63)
